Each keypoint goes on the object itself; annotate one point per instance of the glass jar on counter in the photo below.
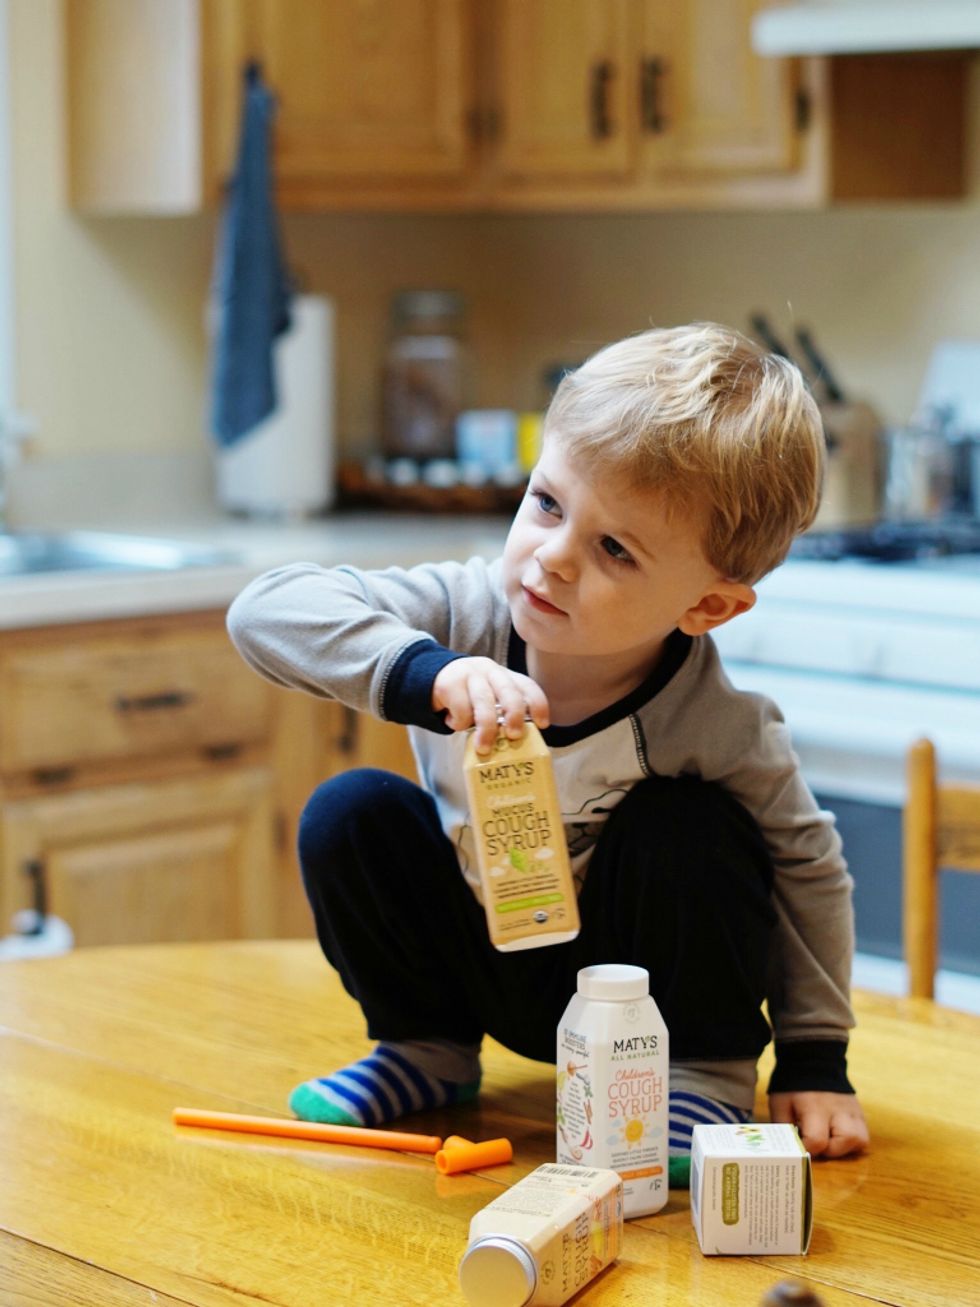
(425, 375)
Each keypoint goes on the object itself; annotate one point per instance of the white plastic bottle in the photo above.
(612, 1083)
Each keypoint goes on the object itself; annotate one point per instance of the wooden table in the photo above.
(104, 1203)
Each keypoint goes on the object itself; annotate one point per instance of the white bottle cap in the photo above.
(497, 1272)
(616, 982)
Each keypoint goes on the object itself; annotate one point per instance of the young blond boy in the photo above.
(677, 467)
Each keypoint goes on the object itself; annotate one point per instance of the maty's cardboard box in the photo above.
(751, 1189)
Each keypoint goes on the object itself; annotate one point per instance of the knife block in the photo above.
(853, 482)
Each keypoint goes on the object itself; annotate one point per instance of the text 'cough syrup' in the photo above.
(526, 878)
(612, 1083)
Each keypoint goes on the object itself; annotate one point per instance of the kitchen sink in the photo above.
(28, 553)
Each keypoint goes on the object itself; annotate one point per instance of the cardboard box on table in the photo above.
(751, 1189)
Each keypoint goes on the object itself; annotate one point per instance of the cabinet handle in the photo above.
(153, 702)
(33, 869)
(602, 75)
(222, 752)
(652, 72)
(347, 739)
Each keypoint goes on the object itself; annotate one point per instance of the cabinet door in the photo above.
(372, 90)
(708, 103)
(188, 859)
(314, 740)
(563, 85)
(385, 745)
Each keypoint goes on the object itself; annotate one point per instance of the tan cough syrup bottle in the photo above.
(612, 1083)
(528, 891)
(544, 1238)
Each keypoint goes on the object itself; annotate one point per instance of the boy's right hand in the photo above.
(478, 692)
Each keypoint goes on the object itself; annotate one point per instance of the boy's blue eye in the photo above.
(615, 550)
(547, 503)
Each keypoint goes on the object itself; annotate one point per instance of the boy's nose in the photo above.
(556, 556)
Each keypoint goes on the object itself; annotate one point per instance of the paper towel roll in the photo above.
(285, 466)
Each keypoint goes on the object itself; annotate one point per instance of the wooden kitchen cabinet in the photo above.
(369, 94)
(708, 103)
(497, 105)
(183, 859)
(640, 91)
(665, 105)
(314, 740)
(151, 783)
(563, 104)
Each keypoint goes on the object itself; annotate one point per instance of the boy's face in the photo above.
(593, 568)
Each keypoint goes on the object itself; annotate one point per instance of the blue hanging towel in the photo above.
(251, 287)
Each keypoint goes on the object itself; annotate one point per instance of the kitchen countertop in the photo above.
(363, 539)
(862, 657)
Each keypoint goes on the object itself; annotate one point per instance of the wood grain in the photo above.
(103, 1200)
(138, 689)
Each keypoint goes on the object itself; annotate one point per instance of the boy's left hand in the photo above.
(832, 1125)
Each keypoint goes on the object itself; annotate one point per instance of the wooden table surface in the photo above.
(104, 1203)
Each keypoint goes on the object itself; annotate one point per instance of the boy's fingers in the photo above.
(537, 703)
(848, 1134)
(815, 1129)
(484, 695)
(483, 698)
(842, 1144)
(512, 706)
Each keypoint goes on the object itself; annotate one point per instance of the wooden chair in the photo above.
(941, 830)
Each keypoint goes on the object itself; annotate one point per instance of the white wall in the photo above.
(108, 319)
(6, 232)
(111, 351)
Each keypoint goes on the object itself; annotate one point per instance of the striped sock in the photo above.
(686, 1110)
(389, 1083)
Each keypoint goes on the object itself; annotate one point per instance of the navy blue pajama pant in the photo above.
(679, 882)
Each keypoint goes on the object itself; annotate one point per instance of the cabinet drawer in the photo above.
(139, 693)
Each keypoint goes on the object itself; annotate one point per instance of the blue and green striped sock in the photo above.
(393, 1080)
(685, 1111)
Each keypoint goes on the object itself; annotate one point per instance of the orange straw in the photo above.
(321, 1132)
(464, 1156)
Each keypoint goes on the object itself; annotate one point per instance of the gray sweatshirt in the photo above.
(376, 640)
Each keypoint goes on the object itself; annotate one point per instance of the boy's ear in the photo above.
(725, 600)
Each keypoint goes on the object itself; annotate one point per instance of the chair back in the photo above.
(941, 831)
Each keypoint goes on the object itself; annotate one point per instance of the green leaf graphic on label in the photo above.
(518, 859)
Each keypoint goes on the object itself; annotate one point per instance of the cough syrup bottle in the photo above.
(526, 878)
(543, 1238)
(612, 1083)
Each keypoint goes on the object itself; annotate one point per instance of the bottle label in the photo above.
(520, 840)
(611, 1103)
(569, 1218)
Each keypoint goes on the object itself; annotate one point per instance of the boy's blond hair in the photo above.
(726, 430)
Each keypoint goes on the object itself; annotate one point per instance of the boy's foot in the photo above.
(686, 1110)
(396, 1078)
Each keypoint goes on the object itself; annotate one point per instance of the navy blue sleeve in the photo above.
(819, 1064)
(407, 694)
